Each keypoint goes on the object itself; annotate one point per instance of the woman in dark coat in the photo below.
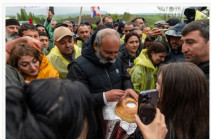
(131, 50)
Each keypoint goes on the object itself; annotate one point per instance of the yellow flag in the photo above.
(200, 15)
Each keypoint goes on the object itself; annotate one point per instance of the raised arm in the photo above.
(26, 39)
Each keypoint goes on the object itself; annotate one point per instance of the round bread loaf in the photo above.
(126, 113)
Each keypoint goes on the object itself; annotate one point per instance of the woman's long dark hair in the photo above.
(157, 47)
(185, 100)
(50, 108)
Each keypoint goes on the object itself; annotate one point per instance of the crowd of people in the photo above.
(60, 75)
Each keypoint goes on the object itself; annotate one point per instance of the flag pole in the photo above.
(100, 18)
(79, 19)
(100, 14)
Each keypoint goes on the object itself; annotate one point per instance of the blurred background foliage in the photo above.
(165, 13)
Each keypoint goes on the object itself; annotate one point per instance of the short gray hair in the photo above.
(106, 32)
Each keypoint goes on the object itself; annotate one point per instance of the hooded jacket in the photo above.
(176, 32)
(46, 70)
(79, 42)
(122, 40)
(144, 73)
(96, 76)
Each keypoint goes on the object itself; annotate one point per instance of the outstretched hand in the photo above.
(155, 32)
(33, 42)
(156, 129)
(132, 93)
(26, 39)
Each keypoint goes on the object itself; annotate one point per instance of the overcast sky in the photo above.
(114, 9)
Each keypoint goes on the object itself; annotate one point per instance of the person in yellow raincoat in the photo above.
(31, 63)
(60, 63)
(144, 73)
(64, 51)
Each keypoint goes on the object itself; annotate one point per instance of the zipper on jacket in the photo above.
(109, 78)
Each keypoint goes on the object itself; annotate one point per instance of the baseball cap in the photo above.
(160, 23)
(61, 32)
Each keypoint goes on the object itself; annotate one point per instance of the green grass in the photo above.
(151, 19)
(127, 17)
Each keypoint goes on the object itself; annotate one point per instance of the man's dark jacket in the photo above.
(204, 66)
(98, 77)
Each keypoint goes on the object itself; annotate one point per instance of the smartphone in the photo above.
(147, 105)
(51, 9)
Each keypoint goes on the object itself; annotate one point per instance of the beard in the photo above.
(176, 47)
(11, 36)
(102, 59)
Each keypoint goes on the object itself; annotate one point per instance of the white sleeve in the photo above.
(104, 98)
